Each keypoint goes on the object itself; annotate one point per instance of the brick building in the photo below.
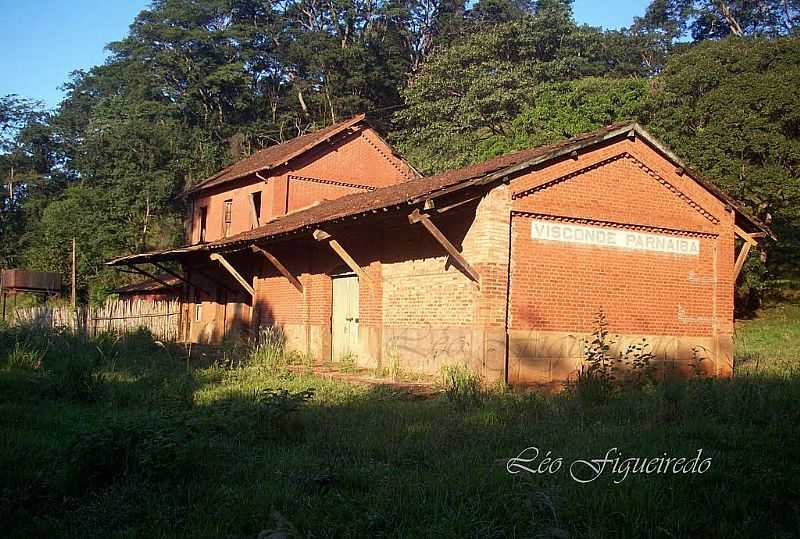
(501, 266)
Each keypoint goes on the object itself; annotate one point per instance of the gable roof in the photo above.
(276, 155)
(418, 190)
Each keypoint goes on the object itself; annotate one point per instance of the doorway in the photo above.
(344, 319)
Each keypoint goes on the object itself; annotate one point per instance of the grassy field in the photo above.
(117, 438)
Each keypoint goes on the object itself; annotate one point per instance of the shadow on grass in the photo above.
(214, 452)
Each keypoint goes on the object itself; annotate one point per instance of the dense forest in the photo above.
(197, 84)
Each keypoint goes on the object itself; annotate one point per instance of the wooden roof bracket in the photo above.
(210, 279)
(153, 277)
(321, 235)
(278, 266)
(227, 265)
(180, 277)
(418, 217)
(749, 242)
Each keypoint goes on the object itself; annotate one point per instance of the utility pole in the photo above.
(74, 298)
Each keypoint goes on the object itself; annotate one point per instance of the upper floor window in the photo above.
(255, 209)
(203, 219)
(226, 218)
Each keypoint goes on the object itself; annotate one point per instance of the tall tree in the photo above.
(710, 19)
(730, 109)
(470, 92)
(26, 157)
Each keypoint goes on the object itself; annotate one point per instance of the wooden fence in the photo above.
(161, 318)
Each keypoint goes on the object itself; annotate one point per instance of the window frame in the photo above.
(202, 224)
(255, 209)
(227, 217)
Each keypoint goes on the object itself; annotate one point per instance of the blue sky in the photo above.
(43, 41)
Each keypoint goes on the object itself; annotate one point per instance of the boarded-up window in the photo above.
(227, 216)
(203, 217)
(255, 209)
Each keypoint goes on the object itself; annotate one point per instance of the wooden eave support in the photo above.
(153, 277)
(180, 277)
(321, 235)
(278, 266)
(227, 265)
(749, 242)
(418, 217)
(210, 279)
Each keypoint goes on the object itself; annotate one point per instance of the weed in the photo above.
(462, 386)
(151, 448)
(394, 365)
(359, 461)
(603, 373)
(267, 351)
(24, 356)
(348, 362)
(77, 376)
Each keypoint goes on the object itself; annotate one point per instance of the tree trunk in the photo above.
(733, 24)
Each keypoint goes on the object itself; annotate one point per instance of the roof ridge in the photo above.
(416, 190)
(322, 134)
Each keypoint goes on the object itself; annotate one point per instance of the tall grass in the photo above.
(242, 447)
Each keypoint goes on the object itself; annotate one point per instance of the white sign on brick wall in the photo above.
(614, 237)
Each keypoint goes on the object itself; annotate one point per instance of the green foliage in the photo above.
(277, 402)
(730, 109)
(565, 109)
(152, 449)
(24, 356)
(348, 362)
(609, 368)
(268, 350)
(713, 19)
(76, 374)
(468, 94)
(352, 462)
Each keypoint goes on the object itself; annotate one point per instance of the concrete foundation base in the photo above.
(546, 357)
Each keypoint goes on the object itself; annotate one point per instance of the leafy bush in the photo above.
(175, 391)
(604, 373)
(462, 386)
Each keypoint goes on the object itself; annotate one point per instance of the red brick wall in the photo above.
(305, 191)
(427, 310)
(333, 169)
(558, 286)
